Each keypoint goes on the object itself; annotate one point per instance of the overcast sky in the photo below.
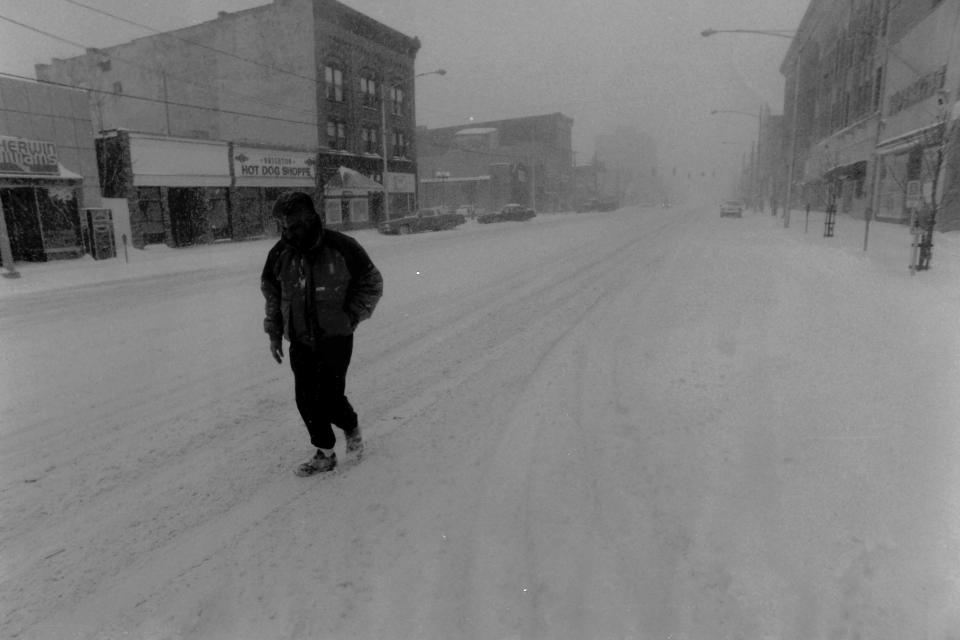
(640, 63)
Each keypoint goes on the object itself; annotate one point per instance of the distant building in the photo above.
(48, 169)
(586, 183)
(524, 160)
(626, 165)
(771, 169)
(284, 95)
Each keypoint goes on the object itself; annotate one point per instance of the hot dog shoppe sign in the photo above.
(267, 167)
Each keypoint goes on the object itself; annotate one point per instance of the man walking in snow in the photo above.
(318, 284)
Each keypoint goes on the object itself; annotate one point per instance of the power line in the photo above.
(192, 42)
(152, 69)
(159, 101)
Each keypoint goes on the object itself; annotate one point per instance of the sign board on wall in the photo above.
(158, 161)
(402, 182)
(913, 194)
(22, 155)
(254, 167)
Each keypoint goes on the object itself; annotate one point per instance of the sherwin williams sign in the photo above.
(21, 155)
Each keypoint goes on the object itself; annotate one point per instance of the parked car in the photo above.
(593, 204)
(468, 210)
(731, 209)
(598, 204)
(431, 219)
(508, 212)
(608, 204)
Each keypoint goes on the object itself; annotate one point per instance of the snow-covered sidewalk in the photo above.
(888, 246)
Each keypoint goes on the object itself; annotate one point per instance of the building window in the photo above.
(368, 91)
(396, 100)
(368, 138)
(118, 87)
(399, 144)
(336, 134)
(149, 222)
(334, 82)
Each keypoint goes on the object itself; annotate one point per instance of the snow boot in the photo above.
(318, 464)
(354, 443)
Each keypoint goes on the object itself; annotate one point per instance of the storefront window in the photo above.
(893, 187)
(23, 225)
(149, 218)
(332, 210)
(218, 222)
(59, 221)
(359, 210)
(248, 212)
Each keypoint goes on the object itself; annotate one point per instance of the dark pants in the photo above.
(320, 378)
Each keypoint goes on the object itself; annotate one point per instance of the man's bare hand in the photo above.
(276, 350)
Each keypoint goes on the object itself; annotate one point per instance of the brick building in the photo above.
(283, 95)
(626, 163)
(524, 160)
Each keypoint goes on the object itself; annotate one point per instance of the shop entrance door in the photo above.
(185, 207)
(23, 224)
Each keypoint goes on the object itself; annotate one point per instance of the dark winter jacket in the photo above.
(324, 291)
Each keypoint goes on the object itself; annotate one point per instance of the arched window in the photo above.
(397, 97)
(368, 89)
(333, 80)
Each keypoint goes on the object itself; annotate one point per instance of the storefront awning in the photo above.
(184, 181)
(346, 179)
(851, 171)
(62, 174)
(924, 136)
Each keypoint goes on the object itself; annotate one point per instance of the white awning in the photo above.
(62, 174)
(178, 162)
(906, 141)
(186, 181)
(453, 180)
(349, 180)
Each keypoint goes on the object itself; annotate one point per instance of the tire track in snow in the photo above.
(172, 550)
(530, 575)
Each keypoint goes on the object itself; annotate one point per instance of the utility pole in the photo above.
(166, 102)
(385, 90)
(6, 254)
(877, 158)
(533, 184)
(793, 136)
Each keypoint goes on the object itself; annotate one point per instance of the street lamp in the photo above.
(756, 159)
(780, 33)
(383, 128)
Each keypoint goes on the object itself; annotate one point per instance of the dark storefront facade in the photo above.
(41, 201)
(178, 190)
(183, 192)
(48, 171)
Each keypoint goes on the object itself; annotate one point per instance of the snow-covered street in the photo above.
(642, 424)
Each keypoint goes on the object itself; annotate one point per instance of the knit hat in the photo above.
(289, 201)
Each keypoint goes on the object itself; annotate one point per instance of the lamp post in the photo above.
(789, 34)
(780, 33)
(383, 129)
(755, 170)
